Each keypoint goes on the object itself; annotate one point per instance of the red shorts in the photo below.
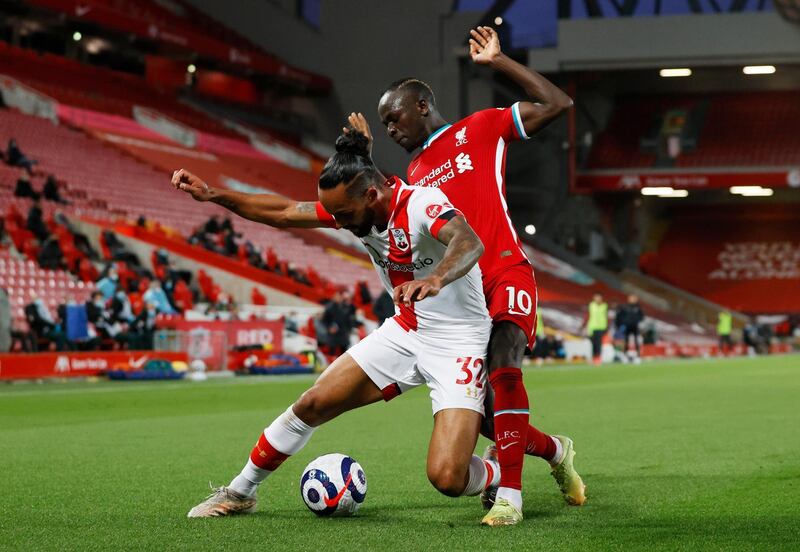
(511, 296)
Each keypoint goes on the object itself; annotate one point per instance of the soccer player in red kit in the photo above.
(466, 160)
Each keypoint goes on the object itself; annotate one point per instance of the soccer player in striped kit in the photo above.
(426, 254)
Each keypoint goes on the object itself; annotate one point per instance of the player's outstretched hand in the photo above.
(191, 184)
(359, 123)
(416, 290)
(484, 46)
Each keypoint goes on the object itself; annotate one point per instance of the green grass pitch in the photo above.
(691, 455)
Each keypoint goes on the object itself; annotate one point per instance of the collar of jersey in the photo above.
(396, 185)
(435, 135)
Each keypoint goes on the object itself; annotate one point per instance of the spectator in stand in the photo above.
(252, 255)
(156, 295)
(383, 307)
(24, 188)
(230, 247)
(43, 326)
(35, 223)
(50, 256)
(295, 274)
(107, 285)
(121, 310)
(339, 320)
(724, 328)
(16, 158)
(290, 322)
(99, 316)
(51, 191)
(5, 322)
(143, 328)
(226, 225)
(597, 326)
(212, 226)
(629, 316)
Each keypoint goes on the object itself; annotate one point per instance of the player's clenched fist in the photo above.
(191, 184)
(416, 290)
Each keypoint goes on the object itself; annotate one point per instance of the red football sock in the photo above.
(539, 444)
(265, 456)
(510, 424)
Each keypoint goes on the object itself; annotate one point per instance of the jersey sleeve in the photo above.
(431, 211)
(325, 217)
(505, 122)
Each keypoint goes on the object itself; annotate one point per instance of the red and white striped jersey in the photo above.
(466, 160)
(409, 250)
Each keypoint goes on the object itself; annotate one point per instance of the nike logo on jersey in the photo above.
(504, 447)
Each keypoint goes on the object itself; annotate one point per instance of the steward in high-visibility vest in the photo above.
(597, 325)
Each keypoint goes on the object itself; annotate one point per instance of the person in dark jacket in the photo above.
(35, 223)
(42, 325)
(24, 188)
(630, 315)
(50, 256)
(16, 158)
(98, 315)
(143, 328)
(51, 191)
(383, 307)
(339, 319)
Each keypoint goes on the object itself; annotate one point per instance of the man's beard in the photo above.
(366, 225)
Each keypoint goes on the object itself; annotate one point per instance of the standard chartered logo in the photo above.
(463, 162)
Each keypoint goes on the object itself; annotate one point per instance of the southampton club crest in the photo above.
(400, 239)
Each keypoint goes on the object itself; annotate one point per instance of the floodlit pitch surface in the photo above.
(677, 456)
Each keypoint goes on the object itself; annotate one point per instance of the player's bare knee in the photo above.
(310, 407)
(506, 346)
(448, 479)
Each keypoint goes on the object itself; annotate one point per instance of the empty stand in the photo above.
(737, 129)
(104, 183)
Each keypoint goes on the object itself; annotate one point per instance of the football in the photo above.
(333, 485)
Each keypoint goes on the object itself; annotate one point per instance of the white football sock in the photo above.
(287, 435)
(514, 496)
(559, 455)
(479, 475)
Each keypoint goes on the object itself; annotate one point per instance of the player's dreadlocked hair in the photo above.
(421, 89)
(351, 163)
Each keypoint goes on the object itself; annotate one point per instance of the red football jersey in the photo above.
(466, 160)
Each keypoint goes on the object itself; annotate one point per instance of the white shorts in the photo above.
(397, 360)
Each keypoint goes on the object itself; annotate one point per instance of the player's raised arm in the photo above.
(464, 248)
(547, 100)
(269, 209)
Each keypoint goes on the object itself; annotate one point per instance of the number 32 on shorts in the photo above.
(519, 301)
(470, 370)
